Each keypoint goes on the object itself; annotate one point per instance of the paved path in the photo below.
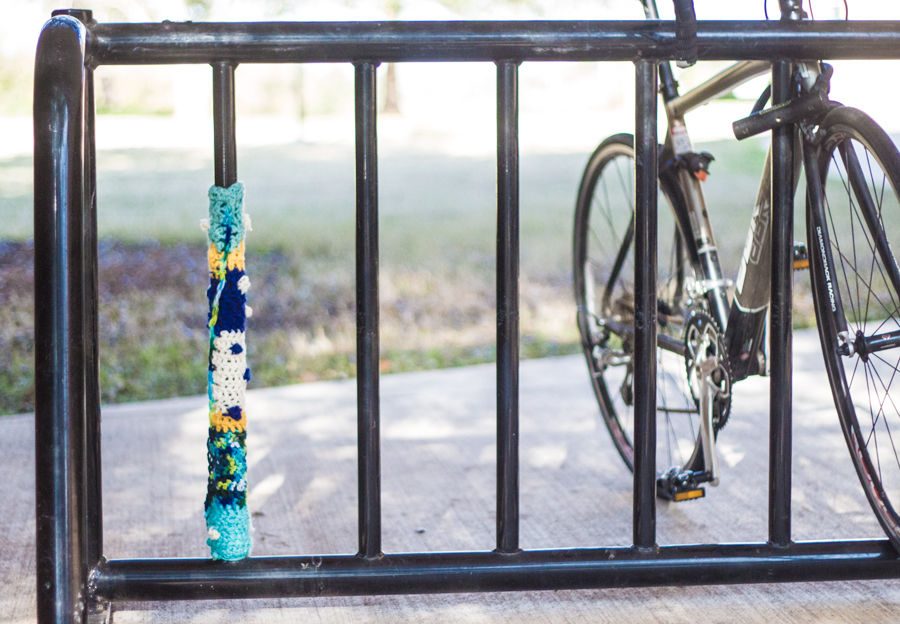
(438, 480)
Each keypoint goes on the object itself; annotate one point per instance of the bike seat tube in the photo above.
(667, 84)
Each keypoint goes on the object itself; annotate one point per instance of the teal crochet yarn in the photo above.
(227, 517)
(228, 531)
(226, 216)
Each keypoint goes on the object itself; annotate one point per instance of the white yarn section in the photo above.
(248, 223)
(204, 225)
(243, 284)
(229, 385)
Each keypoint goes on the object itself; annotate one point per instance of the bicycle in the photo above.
(706, 342)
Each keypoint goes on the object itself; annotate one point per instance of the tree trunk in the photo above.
(391, 102)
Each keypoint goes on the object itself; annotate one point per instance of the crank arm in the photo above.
(707, 432)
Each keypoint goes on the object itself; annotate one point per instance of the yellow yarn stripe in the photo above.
(218, 264)
(219, 422)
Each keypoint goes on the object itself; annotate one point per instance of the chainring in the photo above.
(703, 339)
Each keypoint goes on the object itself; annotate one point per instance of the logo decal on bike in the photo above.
(825, 269)
(759, 229)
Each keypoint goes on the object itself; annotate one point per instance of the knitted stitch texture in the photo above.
(227, 517)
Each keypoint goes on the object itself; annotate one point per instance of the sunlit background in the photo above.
(295, 137)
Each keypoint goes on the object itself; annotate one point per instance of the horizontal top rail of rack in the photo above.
(308, 42)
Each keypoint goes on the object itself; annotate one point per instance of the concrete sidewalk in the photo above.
(438, 494)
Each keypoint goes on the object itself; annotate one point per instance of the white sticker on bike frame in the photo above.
(681, 142)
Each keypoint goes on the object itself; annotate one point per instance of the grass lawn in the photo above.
(437, 237)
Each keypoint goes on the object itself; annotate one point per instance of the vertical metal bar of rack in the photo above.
(367, 335)
(94, 511)
(645, 221)
(60, 351)
(93, 488)
(780, 349)
(224, 136)
(507, 307)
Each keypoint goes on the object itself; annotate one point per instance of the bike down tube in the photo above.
(61, 356)
(645, 261)
(780, 349)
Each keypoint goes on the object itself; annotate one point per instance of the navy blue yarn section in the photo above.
(231, 303)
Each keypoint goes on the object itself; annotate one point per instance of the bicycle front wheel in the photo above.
(853, 229)
(604, 291)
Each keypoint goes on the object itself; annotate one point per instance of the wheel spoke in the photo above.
(890, 312)
(869, 295)
(872, 179)
(671, 438)
(853, 212)
(854, 209)
(881, 413)
(597, 238)
(626, 190)
(834, 229)
(884, 278)
(888, 364)
(872, 417)
(853, 375)
(606, 211)
(837, 246)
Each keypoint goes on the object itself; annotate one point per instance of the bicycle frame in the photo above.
(744, 319)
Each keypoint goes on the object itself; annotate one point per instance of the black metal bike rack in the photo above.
(74, 580)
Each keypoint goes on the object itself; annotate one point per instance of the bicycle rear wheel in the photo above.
(853, 227)
(604, 291)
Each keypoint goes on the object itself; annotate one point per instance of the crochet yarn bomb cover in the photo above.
(227, 517)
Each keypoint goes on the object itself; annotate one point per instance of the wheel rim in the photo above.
(606, 268)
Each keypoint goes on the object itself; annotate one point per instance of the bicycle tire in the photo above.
(849, 236)
(617, 152)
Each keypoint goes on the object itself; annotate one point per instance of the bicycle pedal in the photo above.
(687, 495)
(677, 486)
(801, 257)
(666, 490)
(679, 496)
